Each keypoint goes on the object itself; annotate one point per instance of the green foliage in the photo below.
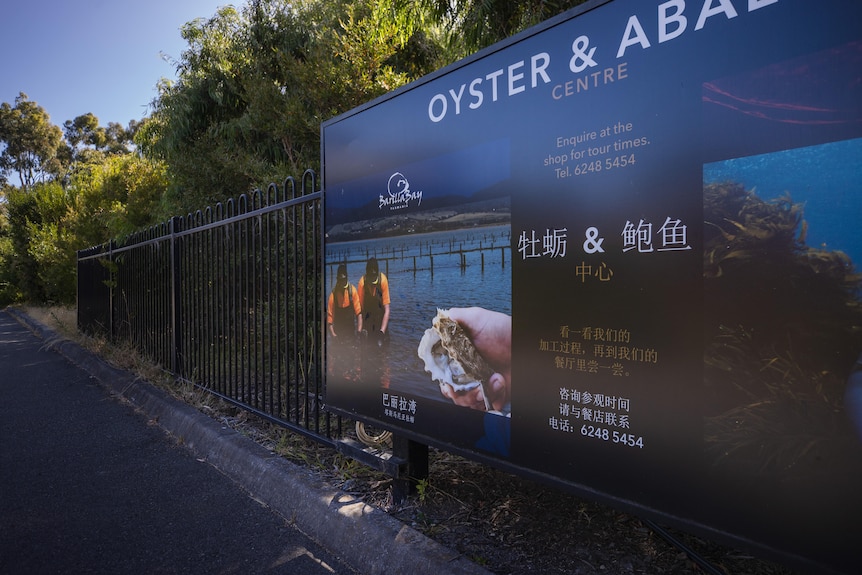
(422, 489)
(254, 86)
(41, 258)
(89, 143)
(9, 292)
(30, 146)
(117, 197)
(44, 226)
(484, 22)
(75, 192)
(23, 216)
(255, 83)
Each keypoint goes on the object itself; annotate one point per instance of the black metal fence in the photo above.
(228, 298)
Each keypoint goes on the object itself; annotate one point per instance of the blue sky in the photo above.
(99, 56)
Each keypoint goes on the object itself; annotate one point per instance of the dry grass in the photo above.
(63, 322)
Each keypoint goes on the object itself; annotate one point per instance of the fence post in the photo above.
(113, 282)
(416, 468)
(176, 299)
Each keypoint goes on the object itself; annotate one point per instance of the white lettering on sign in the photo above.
(478, 88)
(672, 22)
(398, 194)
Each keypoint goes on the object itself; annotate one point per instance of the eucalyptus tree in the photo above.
(71, 193)
(88, 143)
(30, 145)
(254, 84)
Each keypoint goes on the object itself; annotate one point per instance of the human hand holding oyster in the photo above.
(468, 352)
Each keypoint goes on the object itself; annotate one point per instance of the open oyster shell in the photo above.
(450, 356)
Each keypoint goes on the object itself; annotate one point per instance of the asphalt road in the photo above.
(88, 485)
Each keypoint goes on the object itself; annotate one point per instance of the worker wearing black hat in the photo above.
(374, 301)
(343, 311)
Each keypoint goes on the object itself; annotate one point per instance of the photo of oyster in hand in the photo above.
(451, 358)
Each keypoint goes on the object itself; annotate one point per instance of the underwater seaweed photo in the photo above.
(783, 328)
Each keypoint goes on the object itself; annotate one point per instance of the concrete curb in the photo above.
(367, 539)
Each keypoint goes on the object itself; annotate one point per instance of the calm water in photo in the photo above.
(417, 288)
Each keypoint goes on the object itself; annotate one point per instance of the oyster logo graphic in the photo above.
(398, 194)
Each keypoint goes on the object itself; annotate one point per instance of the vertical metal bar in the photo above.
(142, 316)
(158, 283)
(189, 279)
(223, 305)
(279, 312)
(193, 315)
(188, 302)
(207, 305)
(218, 307)
(165, 278)
(142, 312)
(153, 303)
(290, 332)
(245, 307)
(254, 333)
(176, 300)
(304, 321)
(116, 299)
(294, 379)
(202, 317)
(269, 317)
(134, 297)
(251, 326)
(149, 312)
(230, 304)
(416, 469)
(315, 328)
(114, 272)
(239, 311)
(236, 341)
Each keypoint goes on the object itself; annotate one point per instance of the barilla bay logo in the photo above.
(398, 194)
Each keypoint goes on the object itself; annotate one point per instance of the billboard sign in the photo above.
(620, 251)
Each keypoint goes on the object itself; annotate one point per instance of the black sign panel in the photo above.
(644, 219)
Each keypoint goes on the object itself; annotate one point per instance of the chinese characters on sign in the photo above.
(672, 236)
(399, 407)
(595, 350)
(597, 412)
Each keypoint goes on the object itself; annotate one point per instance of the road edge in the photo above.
(366, 538)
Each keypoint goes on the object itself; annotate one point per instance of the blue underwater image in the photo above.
(826, 179)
